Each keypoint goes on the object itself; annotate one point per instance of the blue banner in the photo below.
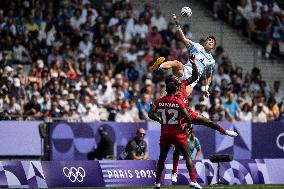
(20, 138)
(49, 174)
(268, 140)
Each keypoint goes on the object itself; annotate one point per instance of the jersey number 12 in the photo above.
(164, 114)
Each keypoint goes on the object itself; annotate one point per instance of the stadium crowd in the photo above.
(79, 60)
(261, 21)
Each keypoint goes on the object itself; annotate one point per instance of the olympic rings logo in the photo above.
(74, 174)
(278, 141)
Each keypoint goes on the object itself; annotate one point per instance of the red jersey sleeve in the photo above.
(155, 104)
(180, 103)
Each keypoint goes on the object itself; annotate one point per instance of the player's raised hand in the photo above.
(192, 59)
(174, 17)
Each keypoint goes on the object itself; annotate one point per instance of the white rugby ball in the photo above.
(186, 12)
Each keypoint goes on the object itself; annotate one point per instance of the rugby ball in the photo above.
(186, 12)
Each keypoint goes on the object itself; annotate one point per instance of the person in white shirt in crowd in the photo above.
(159, 20)
(76, 21)
(259, 113)
(133, 110)
(277, 92)
(89, 116)
(82, 107)
(275, 7)
(13, 108)
(86, 45)
(141, 29)
(124, 34)
(131, 54)
(73, 115)
(123, 115)
(115, 20)
(20, 53)
(46, 104)
(245, 113)
(47, 34)
(64, 99)
(221, 75)
(203, 109)
(244, 97)
(105, 96)
(252, 14)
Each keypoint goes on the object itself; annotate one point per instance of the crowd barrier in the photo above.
(72, 141)
(46, 174)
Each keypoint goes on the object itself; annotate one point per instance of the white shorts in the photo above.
(187, 73)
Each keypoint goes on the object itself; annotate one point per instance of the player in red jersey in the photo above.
(194, 117)
(170, 111)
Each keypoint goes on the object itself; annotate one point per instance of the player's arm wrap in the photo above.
(177, 25)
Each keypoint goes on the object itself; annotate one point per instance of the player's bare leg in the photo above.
(200, 120)
(164, 150)
(177, 67)
(184, 149)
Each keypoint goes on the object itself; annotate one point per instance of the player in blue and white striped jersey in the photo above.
(203, 58)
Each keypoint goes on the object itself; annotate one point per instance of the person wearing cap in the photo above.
(123, 115)
(105, 148)
(17, 90)
(73, 115)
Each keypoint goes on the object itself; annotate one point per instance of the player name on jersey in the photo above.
(170, 105)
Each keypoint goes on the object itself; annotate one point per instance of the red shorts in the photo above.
(173, 138)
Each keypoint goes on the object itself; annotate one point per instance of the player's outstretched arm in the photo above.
(194, 76)
(153, 114)
(180, 33)
(185, 113)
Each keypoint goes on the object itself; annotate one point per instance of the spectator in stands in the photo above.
(273, 112)
(12, 108)
(232, 107)
(144, 106)
(123, 115)
(259, 113)
(89, 115)
(281, 110)
(276, 92)
(104, 148)
(136, 149)
(159, 20)
(201, 108)
(245, 113)
(32, 109)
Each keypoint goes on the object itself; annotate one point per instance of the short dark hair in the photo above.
(169, 79)
(212, 37)
(171, 88)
